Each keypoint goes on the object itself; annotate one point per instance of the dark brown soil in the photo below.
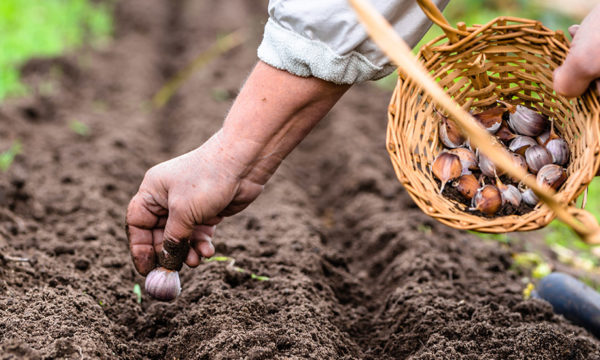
(357, 271)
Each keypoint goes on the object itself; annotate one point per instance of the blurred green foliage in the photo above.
(31, 28)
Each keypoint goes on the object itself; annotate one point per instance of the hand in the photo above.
(185, 198)
(582, 65)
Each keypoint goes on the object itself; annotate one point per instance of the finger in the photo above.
(598, 87)
(141, 213)
(192, 260)
(178, 229)
(214, 221)
(201, 240)
(141, 248)
(571, 78)
(573, 30)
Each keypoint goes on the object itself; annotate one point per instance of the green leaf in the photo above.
(137, 290)
(79, 128)
(7, 157)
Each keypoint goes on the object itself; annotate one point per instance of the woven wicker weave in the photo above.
(507, 59)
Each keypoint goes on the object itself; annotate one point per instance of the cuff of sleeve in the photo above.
(289, 51)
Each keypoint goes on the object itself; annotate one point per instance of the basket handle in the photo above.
(396, 49)
(435, 15)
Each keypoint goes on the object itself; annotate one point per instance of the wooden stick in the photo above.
(396, 49)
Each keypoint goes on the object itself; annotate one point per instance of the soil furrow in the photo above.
(356, 271)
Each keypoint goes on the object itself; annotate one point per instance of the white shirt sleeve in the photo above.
(323, 38)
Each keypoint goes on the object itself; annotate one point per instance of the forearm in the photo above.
(272, 114)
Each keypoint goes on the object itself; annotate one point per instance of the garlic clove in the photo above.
(509, 194)
(525, 121)
(536, 157)
(504, 134)
(487, 167)
(519, 161)
(467, 158)
(521, 143)
(446, 167)
(529, 197)
(551, 175)
(450, 134)
(487, 200)
(559, 149)
(466, 185)
(163, 284)
(491, 119)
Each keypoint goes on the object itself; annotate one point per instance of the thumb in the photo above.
(571, 79)
(178, 230)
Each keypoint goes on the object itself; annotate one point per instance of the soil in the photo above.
(356, 270)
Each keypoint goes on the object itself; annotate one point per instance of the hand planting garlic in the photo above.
(530, 140)
(163, 282)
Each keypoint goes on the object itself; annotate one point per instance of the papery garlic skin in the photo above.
(163, 284)
(551, 175)
(521, 143)
(487, 200)
(529, 197)
(450, 134)
(446, 167)
(467, 158)
(487, 167)
(559, 149)
(510, 195)
(537, 156)
(467, 185)
(525, 121)
(519, 161)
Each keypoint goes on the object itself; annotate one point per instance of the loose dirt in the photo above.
(357, 271)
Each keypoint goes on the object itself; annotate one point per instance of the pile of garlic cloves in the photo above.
(530, 139)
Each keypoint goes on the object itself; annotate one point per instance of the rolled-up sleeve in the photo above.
(323, 38)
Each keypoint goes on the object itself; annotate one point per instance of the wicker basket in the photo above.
(508, 59)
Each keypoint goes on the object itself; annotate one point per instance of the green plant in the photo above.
(137, 290)
(45, 28)
(237, 268)
(7, 157)
(79, 128)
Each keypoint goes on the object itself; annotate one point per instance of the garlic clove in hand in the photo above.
(163, 284)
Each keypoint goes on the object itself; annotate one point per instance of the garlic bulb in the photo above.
(446, 167)
(559, 150)
(487, 200)
(163, 284)
(467, 158)
(450, 134)
(521, 143)
(536, 157)
(551, 175)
